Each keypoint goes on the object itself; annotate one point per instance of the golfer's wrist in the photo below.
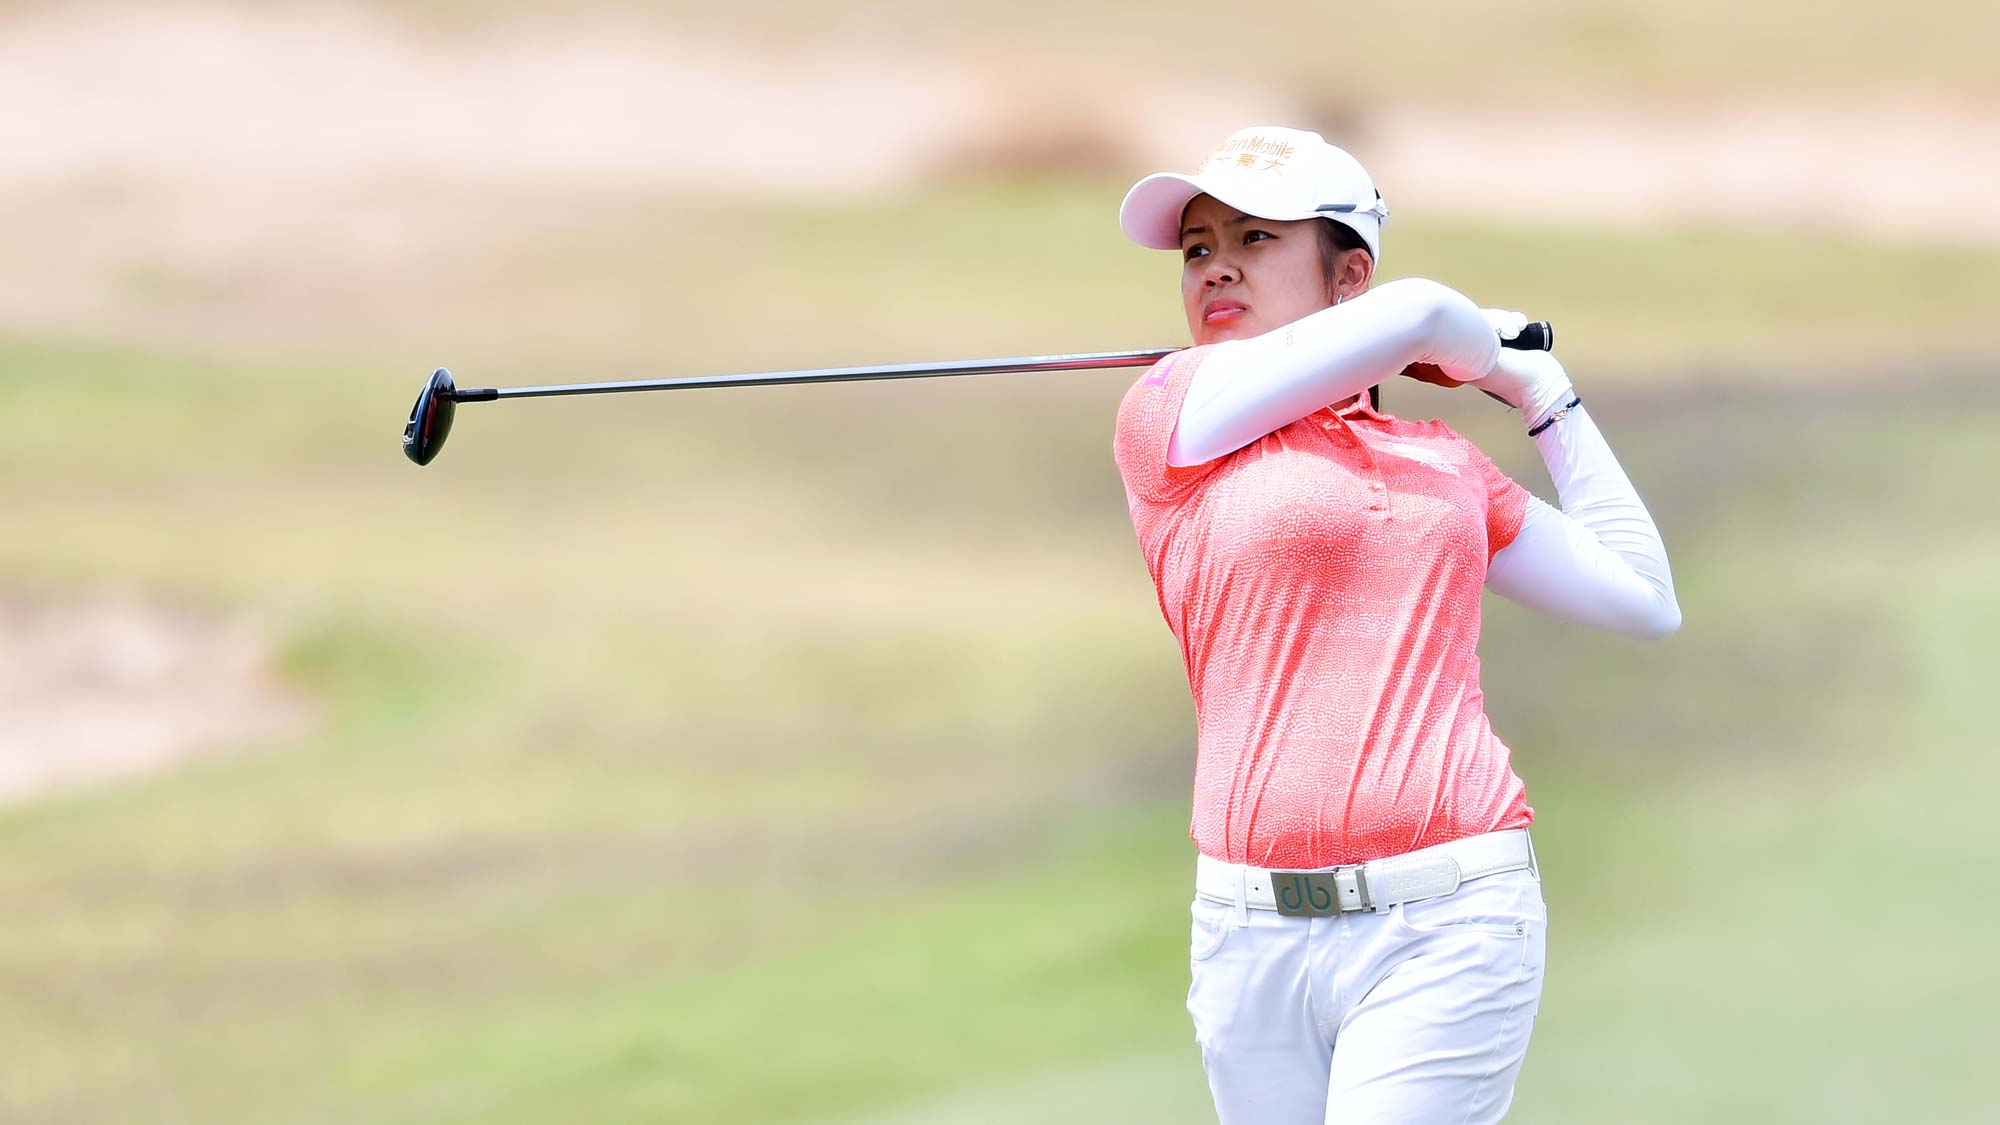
(1543, 400)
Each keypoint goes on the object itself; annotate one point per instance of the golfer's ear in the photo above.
(1353, 273)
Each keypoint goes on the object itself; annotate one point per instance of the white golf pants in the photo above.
(1415, 1016)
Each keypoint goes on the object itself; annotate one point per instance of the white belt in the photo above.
(1376, 885)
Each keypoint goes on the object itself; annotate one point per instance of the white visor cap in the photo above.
(1268, 171)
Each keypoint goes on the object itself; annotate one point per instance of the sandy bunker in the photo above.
(106, 687)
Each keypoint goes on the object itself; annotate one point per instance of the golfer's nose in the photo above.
(1219, 272)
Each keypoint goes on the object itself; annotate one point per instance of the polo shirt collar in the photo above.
(1359, 408)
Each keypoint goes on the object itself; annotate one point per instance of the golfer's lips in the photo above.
(1219, 311)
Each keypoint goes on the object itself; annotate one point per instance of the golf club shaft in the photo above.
(1077, 361)
(1537, 336)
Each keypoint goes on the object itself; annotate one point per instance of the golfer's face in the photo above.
(1243, 276)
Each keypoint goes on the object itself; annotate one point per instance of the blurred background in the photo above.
(818, 755)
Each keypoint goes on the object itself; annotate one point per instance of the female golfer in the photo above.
(1368, 920)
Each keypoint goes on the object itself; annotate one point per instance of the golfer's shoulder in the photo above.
(1152, 404)
(1147, 418)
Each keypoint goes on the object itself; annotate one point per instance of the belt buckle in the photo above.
(1321, 894)
(1364, 894)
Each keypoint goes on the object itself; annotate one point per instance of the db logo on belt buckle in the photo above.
(1306, 894)
(1322, 894)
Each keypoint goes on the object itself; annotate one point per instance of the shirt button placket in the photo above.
(1338, 426)
(1376, 487)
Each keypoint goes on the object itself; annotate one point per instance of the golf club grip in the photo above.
(1538, 336)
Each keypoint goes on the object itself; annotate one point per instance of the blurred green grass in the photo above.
(818, 755)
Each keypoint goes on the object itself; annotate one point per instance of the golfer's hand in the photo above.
(1506, 323)
(1530, 381)
(1505, 326)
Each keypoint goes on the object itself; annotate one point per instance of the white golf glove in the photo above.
(1532, 382)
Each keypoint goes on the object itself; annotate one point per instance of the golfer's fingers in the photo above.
(1506, 322)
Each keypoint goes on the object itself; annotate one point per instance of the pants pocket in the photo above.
(1507, 905)
(1212, 923)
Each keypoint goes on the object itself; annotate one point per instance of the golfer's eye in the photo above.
(1193, 252)
(1250, 236)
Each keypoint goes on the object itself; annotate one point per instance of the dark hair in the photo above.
(1334, 238)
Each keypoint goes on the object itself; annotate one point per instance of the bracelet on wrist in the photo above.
(1558, 416)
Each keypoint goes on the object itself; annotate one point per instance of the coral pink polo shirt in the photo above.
(1324, 583)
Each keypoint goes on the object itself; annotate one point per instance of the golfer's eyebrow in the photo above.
(1235, 222)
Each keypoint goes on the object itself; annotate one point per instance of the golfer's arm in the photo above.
(1245, 389)
(1599, 561)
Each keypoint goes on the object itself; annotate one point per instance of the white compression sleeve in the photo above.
(1248, 388)
(1599, 561)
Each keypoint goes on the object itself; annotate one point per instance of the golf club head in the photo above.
(430, 418)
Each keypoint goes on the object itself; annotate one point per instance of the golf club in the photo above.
(431, 417)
